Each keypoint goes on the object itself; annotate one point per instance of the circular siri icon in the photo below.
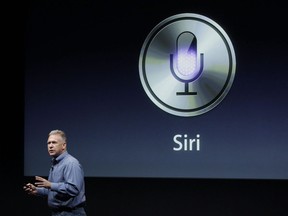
(187, 64)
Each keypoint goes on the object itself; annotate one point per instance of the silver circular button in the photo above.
(187, 64)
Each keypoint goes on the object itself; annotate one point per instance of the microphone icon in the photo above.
(171, 64)
(184, 64)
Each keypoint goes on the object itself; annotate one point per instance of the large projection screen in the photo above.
(95, 71)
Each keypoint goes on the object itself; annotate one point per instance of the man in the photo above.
(65, 187)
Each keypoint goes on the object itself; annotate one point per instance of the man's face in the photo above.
(56, 145)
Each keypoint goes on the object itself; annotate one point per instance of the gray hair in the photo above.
(59, 132)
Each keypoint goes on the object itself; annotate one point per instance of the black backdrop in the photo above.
(153, 196)
(81, 75)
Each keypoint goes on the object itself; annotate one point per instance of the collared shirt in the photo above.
(67, 183)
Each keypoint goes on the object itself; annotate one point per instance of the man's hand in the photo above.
(42, 182)
(30, 189)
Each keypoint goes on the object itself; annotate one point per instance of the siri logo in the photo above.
(187, 64)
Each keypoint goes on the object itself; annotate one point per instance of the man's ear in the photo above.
(64, 145)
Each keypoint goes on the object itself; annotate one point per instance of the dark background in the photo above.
(171, 196)
(82, 75)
